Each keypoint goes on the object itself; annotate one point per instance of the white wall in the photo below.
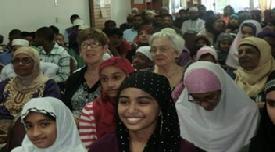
(120, 10)
(29, 15)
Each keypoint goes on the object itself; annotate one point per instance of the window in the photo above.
(218, 5)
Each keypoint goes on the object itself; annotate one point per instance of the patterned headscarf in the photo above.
(166, 136)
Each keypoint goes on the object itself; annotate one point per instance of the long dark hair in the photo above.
(166, 136)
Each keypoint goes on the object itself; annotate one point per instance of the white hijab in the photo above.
(227, 128)
(67, 139)
(232, 58)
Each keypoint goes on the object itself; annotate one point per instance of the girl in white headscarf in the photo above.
(50, 127)
(222, 123)
(232, 58)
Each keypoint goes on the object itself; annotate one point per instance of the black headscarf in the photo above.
(166, 136)
(265, 137)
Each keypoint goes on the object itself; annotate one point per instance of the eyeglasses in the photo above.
(93, 44)
(211, 98)
(24, 60)
(161, 49)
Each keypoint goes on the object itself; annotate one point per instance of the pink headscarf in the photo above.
(206, 50)
(201, 81)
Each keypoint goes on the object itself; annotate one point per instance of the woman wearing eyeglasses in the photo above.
(28, 83)
(166, 47)
(214, 113)
(83, 85)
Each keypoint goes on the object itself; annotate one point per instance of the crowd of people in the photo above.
(194, 82)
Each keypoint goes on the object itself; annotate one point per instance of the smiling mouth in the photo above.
(38, 141)
(133, 121)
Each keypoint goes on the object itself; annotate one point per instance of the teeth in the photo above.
(133, 120)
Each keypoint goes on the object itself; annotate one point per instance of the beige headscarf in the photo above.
(22, 88)
(27, 83)
(253, 82)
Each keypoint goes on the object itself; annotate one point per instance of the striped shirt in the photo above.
(87, 125)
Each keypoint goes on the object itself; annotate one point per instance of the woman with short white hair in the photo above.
(166, 46)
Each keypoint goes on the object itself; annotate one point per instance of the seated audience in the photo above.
(207, 53)
(50, 51)
(247, 28)
(200, 41)
(213, 27)
(214, 113)
(166, 46)
(222, 46)
(194, 24)
(234, 23)
(227, 12)
(117, 45)
(265, 136)
(83, 85)
(97, 117)
(146, 118)
(256, 63)
(143, 59)
(131, 33)
(49, 126)
(144, 34)
(47, 69)
(5, 57)
(109, 24)
(28, 83)
(269, 36)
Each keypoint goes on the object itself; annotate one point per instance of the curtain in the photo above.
(265, 5)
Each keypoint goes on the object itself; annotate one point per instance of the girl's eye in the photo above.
(103, 79)
(44, 124)
(122, 101)
(271, 103)
(116, 77)
(28, 126)
(144, 102)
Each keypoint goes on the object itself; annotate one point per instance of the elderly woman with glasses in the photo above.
(83, 85)
(214, 113)
(28, 83)
(166, 47)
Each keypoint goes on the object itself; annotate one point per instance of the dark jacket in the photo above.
(72, 84)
